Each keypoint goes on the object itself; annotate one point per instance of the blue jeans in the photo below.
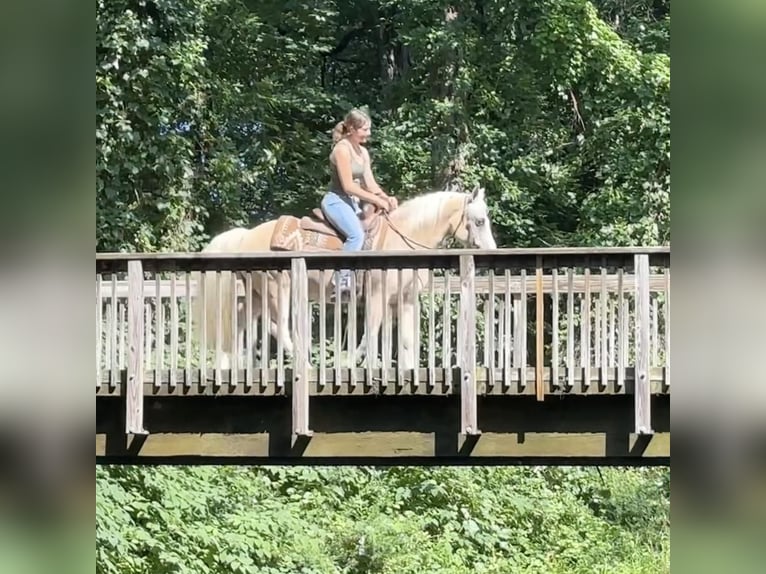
(341, 212)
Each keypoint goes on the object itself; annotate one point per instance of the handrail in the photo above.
(341, 255)
(494, 316)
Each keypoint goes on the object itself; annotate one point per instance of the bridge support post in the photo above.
(642, 389)
(539, 330)
(301, 349)
(134, 393)
(467, 341)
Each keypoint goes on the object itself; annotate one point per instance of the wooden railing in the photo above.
(506, 322)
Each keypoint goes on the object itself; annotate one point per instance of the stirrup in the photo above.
(345, 295)
(345, 291)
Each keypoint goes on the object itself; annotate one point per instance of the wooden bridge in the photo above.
(537, 356)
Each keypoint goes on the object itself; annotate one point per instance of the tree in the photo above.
(215, 113)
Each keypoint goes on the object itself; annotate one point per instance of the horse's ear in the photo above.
(454, 186)
(477, 193)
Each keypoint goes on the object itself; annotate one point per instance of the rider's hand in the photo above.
(393, 203)
(382, 203)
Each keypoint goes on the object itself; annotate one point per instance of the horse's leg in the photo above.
(406, 319)
(253, 349)
(250, 346)
(373, 318)
(414, 280)
(259, 346)
(279, 307)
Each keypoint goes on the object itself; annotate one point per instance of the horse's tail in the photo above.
(227, 242)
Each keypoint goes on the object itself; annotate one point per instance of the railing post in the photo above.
(301, 348)
(134, 393)
(467, 331)
(642, 388)
(539, 330)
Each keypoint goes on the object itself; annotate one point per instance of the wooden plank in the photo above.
(337, 333)
(539, 332)
(555, 331)
(467, 326)
(642, 388)
(508, 334)
(108, 346)
(234, 327)
(249, 329)
(407, 447)
(597, 331)
(431, 330)
(269, 387)
(655, 320)
(272, 256)
(189, 332)
(370, 353)
(447, 327)
(99, 331)
(441, 258)
(483, 285)
(148, 335)
(122, 328)
(399, 326)
(203, 329)
(114, 334)
(570, 330)
(603, 302)
(218, 329)
(302, 348)
(352, 338)
(360, 417)
(489, 341)
(523, 349)
(622, 332)
(323, 326)
(134, 397)
(173, 330)
(416, 323)
(265, 320)
(236, 448)
(585, 304)
(612, 352)
(386, 328)
(282, 294)
(159, 337)
(667, 327)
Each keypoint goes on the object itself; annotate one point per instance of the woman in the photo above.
(351, 181)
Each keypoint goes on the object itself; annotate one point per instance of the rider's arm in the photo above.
(343, 163)
(373, 186)
(369, 179)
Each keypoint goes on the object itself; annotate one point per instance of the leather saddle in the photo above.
(370, 217)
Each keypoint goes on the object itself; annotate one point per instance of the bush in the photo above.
(385, 521)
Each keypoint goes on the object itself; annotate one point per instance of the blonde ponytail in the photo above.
(339, 132)
(354, 119)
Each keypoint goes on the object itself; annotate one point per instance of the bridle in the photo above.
(410, 241)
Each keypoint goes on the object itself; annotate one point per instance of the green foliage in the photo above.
(215, 113)
(392, 521)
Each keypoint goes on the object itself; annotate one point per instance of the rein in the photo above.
(409, 241)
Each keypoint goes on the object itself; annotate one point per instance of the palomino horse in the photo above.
(423, 222)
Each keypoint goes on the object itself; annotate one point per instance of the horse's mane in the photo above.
(424, 211)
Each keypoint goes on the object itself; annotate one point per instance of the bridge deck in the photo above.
(483, 338)
(403, 383)
(387, 430)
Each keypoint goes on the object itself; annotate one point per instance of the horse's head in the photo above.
(474, 229)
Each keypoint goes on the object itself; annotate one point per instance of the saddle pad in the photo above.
(290, 236)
